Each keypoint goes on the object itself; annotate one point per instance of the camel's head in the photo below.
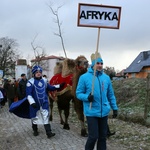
(81, 63)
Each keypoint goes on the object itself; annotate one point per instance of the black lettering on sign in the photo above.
(98, 15)
(82, 15)
(107, 16)
(115, 17)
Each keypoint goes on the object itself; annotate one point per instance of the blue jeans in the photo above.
(97, 132)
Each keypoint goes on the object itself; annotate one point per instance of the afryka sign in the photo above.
(92, 15)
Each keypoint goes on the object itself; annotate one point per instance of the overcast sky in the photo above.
(24, 19)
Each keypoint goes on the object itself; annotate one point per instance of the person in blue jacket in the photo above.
(95, 90)
(37, 94)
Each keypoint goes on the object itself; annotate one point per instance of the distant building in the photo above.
(48, 63)
(21, 67)
(119, 76)
(140, 67)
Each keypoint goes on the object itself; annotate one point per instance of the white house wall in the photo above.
(50, 71)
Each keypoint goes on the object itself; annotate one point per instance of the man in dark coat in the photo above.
(21, 90)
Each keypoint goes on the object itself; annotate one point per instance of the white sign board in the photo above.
(102, 16)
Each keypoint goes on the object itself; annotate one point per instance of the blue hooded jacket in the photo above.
(103, 93)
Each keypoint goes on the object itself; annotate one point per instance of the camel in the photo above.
(71, 70)
(81, 65)
(63, 73)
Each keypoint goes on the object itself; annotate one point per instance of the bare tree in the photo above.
(59, 24)
(110, 71)
(39, 54)
(8, 55)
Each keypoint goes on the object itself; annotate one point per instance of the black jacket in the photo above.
(21, 89)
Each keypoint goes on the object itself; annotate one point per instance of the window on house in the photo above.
(133, 75)
(139, 61)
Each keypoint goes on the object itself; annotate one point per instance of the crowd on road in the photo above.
(29, 99)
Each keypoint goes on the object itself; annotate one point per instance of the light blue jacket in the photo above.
(104, 97)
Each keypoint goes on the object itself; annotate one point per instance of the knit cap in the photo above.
(36, 68)
(96, 58)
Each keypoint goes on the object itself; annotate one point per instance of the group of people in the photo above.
(94, 89)
(14, 90)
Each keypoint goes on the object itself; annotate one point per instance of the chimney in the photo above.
(145, 55)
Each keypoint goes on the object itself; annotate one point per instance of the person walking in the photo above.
(95, 90)
(21, 89)
(11, 91)
(3, 97)
(37, 94)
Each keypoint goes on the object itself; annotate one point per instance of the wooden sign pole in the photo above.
(96, 53)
